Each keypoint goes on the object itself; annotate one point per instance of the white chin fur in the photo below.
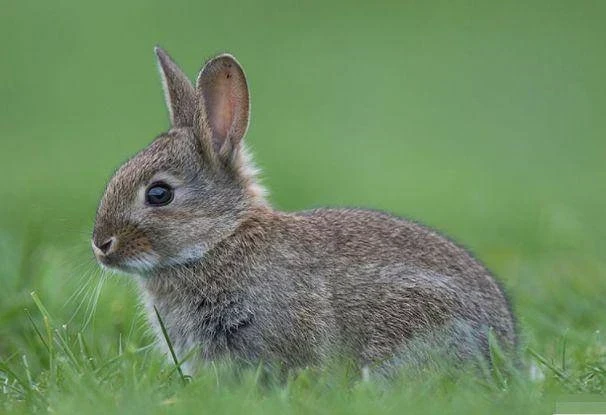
(141, 264)
(145, 263)
(189, 254)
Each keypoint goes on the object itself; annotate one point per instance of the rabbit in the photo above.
(233, 278)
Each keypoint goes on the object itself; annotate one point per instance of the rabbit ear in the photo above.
(223, 108)
(179, 93)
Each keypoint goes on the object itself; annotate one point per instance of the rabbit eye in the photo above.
(159, 194)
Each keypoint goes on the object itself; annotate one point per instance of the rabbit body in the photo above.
(295, 288)
(232, 277)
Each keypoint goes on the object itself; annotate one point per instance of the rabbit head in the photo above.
(192, 185)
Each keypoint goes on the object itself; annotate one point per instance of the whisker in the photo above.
(88, 276)
(95, 300)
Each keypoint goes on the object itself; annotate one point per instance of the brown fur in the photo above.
(233, 277)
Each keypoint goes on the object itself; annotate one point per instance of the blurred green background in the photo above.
(485, 120)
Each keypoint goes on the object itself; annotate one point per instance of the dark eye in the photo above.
(159, 194)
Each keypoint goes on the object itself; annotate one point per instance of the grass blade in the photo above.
(547, 364)
(31, 320)
(170, 347)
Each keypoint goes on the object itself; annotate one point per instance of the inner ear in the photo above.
(223, 110)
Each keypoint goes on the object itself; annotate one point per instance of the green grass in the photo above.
(483, 120)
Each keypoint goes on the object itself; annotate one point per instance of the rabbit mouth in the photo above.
(128, 251)
(140, 264)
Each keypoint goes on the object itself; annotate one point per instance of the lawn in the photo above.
(485, 121)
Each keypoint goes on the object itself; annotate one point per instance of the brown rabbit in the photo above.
(232, 277)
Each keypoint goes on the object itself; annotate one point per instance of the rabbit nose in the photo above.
(105, 248)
